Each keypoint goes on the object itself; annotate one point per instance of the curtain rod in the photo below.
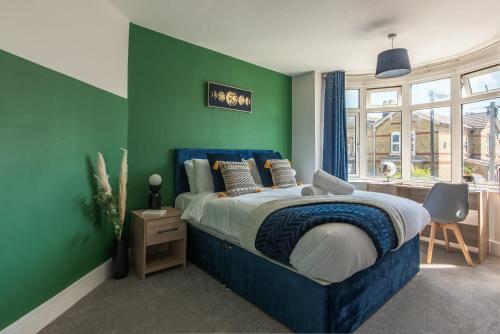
(429, 66)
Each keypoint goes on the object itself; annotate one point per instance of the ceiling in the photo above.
(294, 36)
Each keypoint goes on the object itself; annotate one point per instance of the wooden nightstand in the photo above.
(157, 242)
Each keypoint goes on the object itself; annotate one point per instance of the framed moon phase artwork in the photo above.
(227, 97)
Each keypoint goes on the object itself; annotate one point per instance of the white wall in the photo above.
(87, 40)
(306, 125)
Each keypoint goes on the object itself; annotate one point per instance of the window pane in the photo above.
(352, 98)
(395, 143)
(430, 91)
(431, 144)
(383, 141)
(485, 83)
(383, 98)
(481, 146)
(351, 144)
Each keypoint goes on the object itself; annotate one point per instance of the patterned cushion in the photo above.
(237, 178)
(282, 173)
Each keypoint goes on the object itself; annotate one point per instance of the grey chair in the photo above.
(448, 204)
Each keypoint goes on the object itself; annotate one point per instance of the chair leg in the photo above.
(461, 242)
(431, 242)
(446, 241)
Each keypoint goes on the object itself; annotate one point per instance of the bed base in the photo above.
(301, 304)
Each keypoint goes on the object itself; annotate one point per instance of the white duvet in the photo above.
(329, 252)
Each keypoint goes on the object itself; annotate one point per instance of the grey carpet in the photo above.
(447, 297)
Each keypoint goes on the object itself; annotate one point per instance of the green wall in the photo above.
(52, 126)
(167, 109)
(50, 236)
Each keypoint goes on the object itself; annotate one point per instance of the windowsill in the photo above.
(421, 183)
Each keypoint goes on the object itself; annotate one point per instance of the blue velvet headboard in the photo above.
(183, 154)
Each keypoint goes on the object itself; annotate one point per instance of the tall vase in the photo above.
(120, 263)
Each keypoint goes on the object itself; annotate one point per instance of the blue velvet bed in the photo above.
(302, 304)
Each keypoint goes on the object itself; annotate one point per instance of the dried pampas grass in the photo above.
(102, 175)
(123, 186)
(104, 197)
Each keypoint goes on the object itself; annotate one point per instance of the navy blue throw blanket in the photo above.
(281, 230)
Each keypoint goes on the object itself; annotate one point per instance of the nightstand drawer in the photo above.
(165, 230)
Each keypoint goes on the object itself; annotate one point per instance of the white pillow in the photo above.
(202, 176)
(253, 170)
(188, 164)
(331, 183)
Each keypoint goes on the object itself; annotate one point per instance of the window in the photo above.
(485, 83)
(383, 97)
(395, 142)
(481, 153)
(479, 82)
(383, 137)
(352, 144)
(352, 98)
(431, 91)
(431, 129)
(387, 126)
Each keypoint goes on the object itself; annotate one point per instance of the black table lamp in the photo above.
(155, 196)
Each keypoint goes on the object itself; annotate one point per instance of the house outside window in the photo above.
(383, 141)
(481, 127)
(413, 144)
(431, 158)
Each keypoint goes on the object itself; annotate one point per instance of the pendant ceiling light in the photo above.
(393, 62)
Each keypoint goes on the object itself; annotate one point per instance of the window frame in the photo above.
(454, 71)
(359, 98)
(429, 105)
(389, 107)
(467, 76)
(356, 141)
(357, 113)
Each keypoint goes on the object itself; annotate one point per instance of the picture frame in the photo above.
(228, 97)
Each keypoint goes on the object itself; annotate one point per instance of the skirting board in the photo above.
(44, 314)
(494, 248)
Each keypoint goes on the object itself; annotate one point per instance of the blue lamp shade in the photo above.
(393, 63)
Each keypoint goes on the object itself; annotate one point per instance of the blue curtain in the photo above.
(335, 131)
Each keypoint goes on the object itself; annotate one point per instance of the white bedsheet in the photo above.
(183, 200)
(329, 252)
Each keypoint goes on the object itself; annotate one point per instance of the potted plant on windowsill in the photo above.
(114, 210)
(468, 174)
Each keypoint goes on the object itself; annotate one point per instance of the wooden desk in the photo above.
(474, 228)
